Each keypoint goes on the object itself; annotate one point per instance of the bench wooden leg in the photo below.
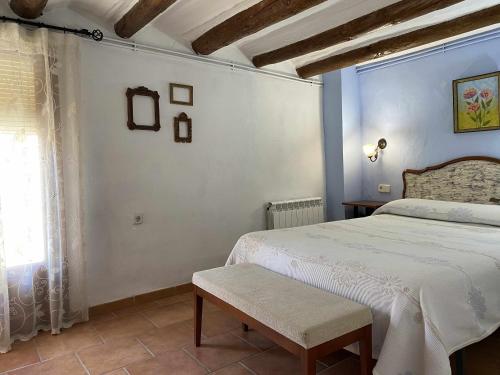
(365, 351)
(245, 327)
(308, 363)
(198, 317)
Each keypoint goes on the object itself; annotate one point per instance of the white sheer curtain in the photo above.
(42, 274)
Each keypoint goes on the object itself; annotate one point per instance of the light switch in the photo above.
(383, 188)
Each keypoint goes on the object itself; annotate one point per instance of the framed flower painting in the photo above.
(476, 103)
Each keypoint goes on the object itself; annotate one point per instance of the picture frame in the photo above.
(175, 88)
(183, 118)
(143, 91)
(476, 103)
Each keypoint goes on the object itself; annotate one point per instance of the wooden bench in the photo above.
(309, 322)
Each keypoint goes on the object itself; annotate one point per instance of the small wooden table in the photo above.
(369, 207)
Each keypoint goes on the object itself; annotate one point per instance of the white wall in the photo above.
(255, 139)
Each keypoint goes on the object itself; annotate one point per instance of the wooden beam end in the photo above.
(197, 47)
(203, 45)
(302, 73)
(141, 14)
(256, 62)
(267, 59)
(29, 9)
(120, 30)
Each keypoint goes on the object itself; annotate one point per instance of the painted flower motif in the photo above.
(390, 285)
(486, 94)
(479, 103)
(470, 93)
(474, 107)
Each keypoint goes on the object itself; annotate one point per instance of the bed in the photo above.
(428, 265)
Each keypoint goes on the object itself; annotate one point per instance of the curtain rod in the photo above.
(133, 46)
(96, 34)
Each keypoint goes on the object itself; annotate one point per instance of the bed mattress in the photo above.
(429, 271)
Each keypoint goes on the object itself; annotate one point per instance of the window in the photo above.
(21, 202)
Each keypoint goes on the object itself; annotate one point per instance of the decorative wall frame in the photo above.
(143, 91)
(476, 103)
(183, 118)
(174, 100)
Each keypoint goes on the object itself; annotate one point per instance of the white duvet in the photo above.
(429, 270)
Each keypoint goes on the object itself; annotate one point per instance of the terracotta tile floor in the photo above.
(156, 338)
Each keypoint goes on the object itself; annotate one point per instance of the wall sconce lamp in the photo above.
(372, 151)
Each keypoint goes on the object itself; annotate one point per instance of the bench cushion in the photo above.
(300, 312)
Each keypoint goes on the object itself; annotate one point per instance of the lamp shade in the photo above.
(370, 150)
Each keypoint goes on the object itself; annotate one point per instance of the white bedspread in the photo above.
(429, 270)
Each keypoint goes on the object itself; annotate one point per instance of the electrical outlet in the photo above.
(138, 219)
(382, 188)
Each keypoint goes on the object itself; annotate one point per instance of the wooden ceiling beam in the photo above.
(391, 15)
(142, 13)
(454, 27)
(28, 8)
(259, 16)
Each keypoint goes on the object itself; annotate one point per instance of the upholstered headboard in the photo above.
(474, 179)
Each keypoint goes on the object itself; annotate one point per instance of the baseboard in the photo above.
(139, 299)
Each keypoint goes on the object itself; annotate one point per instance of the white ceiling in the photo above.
(188, 19)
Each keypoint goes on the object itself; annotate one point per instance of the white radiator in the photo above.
(294, 213)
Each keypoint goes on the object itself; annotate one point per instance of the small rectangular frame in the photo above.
(173, 100)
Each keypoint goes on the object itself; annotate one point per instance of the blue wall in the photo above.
(411, 105)
(351, 132)
(342, 125)
(332, 123)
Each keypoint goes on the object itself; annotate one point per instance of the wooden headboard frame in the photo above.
(446, 164)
